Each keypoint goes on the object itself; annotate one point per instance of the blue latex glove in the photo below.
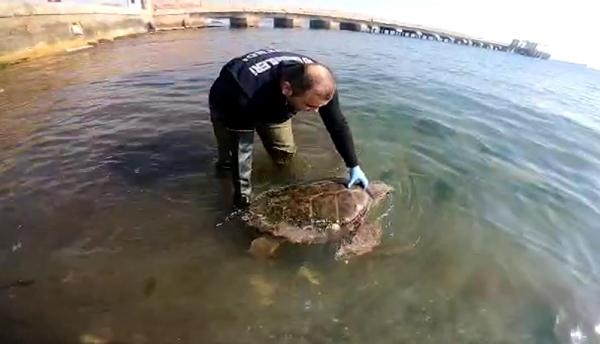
(358, 176)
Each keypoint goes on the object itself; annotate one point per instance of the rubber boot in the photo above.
(242, 143)
(223, 143)
(223, 164)
(224, 160)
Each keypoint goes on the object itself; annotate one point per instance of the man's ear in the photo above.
(286, 89)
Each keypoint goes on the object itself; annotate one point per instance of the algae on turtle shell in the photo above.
(323, 211)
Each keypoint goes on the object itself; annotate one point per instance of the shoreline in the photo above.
(77, 43)
(30, 31)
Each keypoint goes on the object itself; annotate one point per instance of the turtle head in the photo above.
(378, 190)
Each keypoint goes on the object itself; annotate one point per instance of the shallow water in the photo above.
(112, 216)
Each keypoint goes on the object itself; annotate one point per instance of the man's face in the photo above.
(308, 101)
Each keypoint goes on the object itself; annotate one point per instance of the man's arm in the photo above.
(338, 129)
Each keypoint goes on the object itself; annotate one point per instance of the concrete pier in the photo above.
(447, 39)
(238, 22)
(283, 22)
(320, 24)
(411, 33)
(388, 30)
(431, 36)
(241, 22)
(349, 26)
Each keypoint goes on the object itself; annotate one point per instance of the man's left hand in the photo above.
(356, 175)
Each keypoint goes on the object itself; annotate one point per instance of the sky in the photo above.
(566, 29)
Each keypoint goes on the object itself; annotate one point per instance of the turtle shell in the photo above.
(314, 212)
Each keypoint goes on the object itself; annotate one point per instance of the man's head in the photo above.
(307, 87)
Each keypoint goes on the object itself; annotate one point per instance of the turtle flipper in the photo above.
(264, 247)
(366, 237)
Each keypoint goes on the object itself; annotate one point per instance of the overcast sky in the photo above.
(568, 29)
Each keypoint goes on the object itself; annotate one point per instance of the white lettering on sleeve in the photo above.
(257, 53)
(260, 67)
(263, 66)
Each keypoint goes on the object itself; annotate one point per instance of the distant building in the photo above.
(527, 48)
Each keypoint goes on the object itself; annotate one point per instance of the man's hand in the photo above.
(356, 175)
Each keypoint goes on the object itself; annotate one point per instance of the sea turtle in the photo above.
(317, 212)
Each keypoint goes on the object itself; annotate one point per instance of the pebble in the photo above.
(310, 275)
(17, 246)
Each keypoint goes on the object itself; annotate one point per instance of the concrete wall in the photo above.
(171, 14)
(37, 27)
(177, 4)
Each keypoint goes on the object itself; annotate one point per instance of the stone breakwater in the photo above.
(29, 30)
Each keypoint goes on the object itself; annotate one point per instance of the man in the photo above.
(262, 91)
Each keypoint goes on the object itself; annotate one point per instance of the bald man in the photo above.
(261, 91)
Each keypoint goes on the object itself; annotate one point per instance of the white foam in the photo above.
(597, 329)
(577, 336)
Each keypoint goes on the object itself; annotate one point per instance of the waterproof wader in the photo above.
(235, 149)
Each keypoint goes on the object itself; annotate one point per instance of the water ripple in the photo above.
(494, 157)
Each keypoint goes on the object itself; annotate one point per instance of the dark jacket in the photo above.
(248, 92)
